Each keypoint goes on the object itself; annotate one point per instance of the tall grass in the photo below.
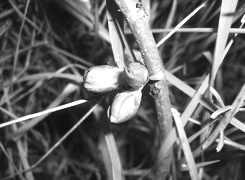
(51, 130)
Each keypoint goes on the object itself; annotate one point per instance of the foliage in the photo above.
(46, 46)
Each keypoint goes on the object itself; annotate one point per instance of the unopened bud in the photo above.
(125, 106)
(136, 75)
(102, 78)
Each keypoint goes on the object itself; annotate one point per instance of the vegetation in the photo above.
(50, 128)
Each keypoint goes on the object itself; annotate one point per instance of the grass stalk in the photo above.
(48, 111)
(195, 30)
(228, 8)
(57, 143)
(185, 145)
(227, 118)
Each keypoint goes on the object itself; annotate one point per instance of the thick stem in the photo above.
(138, 22)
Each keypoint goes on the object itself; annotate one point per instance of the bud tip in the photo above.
(113, 119)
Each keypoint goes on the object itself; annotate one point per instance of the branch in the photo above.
(138, 22)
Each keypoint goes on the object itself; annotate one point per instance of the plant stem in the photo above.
(138, 22)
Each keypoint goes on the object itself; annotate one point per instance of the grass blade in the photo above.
(10, 161)
(185, 145)
(220, 111)
(185, 116)
(48, 111)
(58, 142)
(228, 8)
(16, 55)
(180, 24)
(114, 20)
(202, 164)
(204, 101)
(227, 118)
(47, 75)
(229, 142)
(194, 30)
(70, 88)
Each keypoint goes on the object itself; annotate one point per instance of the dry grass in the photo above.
(47, 45)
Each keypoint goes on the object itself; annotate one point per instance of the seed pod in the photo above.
(103, 78)
(125, 106)
(136, 75)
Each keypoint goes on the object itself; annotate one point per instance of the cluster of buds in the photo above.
(107, 78)
(102, 78)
